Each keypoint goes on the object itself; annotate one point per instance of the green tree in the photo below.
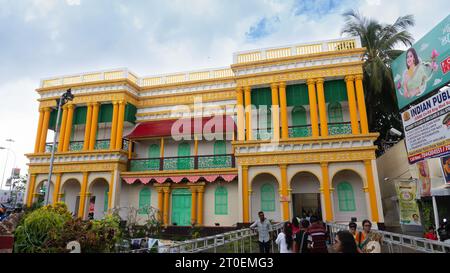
(380, 41)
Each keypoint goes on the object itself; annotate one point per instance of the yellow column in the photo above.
(87, 129)
(161, 147)
(112, 143)
(160, 203)
(39, 129)
(352, 104)
(361, 104)
(94, 124)
(83, 194)
(275, 112)
(68, 129)
(200, 191)
(62, 130)
(245, 207)
(284, 193)
(194, 205)
(283, 112)
(44, 130)
(240, 113)
(166, 206)
(130, 149)
(111, 190)
(31, 190)
(120, 121)
(248, 113)
(372, 192)
(195, 146)
(56, 190)
(326, 191)
(322, 108)
(313, 107)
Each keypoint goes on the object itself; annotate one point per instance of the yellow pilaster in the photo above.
(120, 121)
(326, 191)
(31, 190)
(283, 112)
(200, 192)
(39, 129)
(87, 129)
(166, 206)
(112, 143)
(130, 149)
(194, 205)
(160, 203)
(94, 124)
(161, 147)
(313, 107)
(248, 113)
(83, 195)
(372, 192)
(245, 207)
(68, 129)
(195, 146)
(56, 190)
(361, 104)
(45, 125)
(111, 190)
(284, 192)
(240, 113)
(62, 130)
(352, 103)
(322, 108)
(275, 112)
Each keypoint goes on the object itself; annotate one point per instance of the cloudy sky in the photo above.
(45, 38)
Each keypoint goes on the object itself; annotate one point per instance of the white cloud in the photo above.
(137, 23)
(73, 2)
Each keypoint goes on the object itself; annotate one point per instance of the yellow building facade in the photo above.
(282, 130)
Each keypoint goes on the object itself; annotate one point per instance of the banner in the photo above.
(445, 165)
(409, 211)
(427, 127)
(424, 67)
(424, 178)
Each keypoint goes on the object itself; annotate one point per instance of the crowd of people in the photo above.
(311, 236)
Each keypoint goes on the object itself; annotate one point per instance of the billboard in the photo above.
(445, 165)
(424, 67)
(424, 178)
(409, 210)
(427, 127)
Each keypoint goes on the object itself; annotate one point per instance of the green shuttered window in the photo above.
(184, 150)
(144, 200)
(221, 201)
(335, 91)
(297, 94)
(335, 112)
(105, 201)
(267, 197)
(261, 96)
(346, 197)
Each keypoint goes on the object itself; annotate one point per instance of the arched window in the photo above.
(335, 112)
(299, 122)
(267, 197)
(221, 201)
(154, 153)
(346, 197)
(184, 150)
(264, 123)
(105, 201)
(144, 200)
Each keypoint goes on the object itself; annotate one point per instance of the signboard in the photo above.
(409, 211)
(424, 67)
(427, 127)
(15, 173)
(445, 165)
(424, 178)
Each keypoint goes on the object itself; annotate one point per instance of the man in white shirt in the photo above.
(263, 226)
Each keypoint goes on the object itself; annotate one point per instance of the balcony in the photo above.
(342, 128)
(182, 163)
(101, 144)
(300, 131)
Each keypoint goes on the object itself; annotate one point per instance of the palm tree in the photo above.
(380, 41)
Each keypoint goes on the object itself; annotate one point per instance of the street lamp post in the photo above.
(7, 154)
(67, 96)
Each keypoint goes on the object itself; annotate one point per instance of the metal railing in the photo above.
(398, 243)
(100, 144)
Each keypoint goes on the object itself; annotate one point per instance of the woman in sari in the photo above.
(416, 76)
(367, 240)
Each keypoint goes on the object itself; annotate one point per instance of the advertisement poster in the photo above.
(445, 165)
(427, 127)
(424, 178)
(424, 67)
(409, 210)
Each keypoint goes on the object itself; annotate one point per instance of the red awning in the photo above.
(184, 126)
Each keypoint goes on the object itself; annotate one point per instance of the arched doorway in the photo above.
(306, 199)
(71, 195)
(348, 197)
(41, 190)
(97, 206)
(265, 197)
